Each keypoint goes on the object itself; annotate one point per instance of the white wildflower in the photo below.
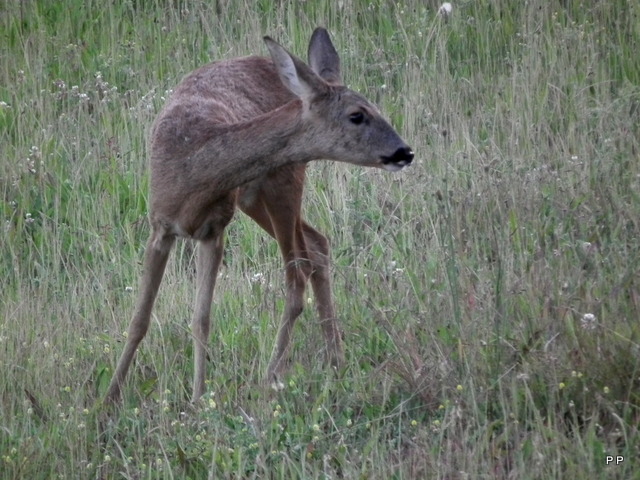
(445, 9)
(588, 321)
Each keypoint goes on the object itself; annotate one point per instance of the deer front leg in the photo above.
(155, 261)
(296, 279)
(209, 257)
(319, 254)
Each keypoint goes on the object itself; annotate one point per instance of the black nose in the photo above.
(402, 156)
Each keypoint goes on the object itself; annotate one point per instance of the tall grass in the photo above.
(489, 294)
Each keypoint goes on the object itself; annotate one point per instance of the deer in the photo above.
(238, 134)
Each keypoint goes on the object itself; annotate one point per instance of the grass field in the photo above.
(489, 294)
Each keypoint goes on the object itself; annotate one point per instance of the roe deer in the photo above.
(240, 132)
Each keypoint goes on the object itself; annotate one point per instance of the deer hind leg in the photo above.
(208, 261)
(155, 260)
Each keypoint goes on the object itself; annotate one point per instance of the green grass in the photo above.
(464, 284)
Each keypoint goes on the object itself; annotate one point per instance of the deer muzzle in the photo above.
(402, 157)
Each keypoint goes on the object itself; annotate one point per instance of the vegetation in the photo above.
(490, 294)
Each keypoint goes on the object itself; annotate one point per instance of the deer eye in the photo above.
(356, 118)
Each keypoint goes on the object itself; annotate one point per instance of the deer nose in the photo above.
(404, 154)
(400, 158)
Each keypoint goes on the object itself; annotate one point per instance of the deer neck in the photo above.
(237, 154)
(196, 175)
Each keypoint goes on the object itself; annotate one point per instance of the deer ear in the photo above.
(293, 72)
(323, 58)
